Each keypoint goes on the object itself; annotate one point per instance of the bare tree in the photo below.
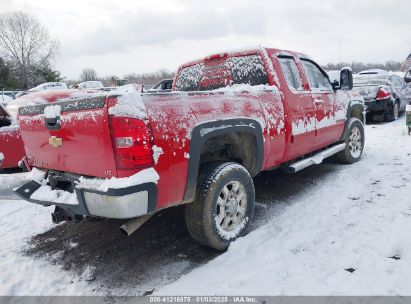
(26, 44)
(149, 78)
(88, 74)
(360, 66)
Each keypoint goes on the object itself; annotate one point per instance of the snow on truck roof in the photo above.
(241, 52)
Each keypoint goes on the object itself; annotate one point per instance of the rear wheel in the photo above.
(354, 142)
(223, 207)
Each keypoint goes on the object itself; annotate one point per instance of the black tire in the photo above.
(202, 215)
(394, 112)
(353, 152)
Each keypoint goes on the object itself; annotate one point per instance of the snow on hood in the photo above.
(129, 103)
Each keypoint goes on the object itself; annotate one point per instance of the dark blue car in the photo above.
(385, 94)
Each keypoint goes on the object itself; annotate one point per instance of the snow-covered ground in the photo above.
(345, 231)
(348, 236)
(22, 275)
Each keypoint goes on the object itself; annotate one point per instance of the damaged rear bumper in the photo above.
(124, 203)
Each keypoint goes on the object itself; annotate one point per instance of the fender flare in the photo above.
(201, 133)
(354, 104)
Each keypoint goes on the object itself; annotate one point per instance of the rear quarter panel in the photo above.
(173, 117)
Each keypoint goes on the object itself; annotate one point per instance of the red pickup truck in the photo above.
(229, 116)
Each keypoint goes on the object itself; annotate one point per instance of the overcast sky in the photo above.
(125, 36)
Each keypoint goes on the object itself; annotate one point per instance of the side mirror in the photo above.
(346, 81)
(407, 77)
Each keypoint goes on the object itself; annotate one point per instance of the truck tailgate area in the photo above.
(70, 136)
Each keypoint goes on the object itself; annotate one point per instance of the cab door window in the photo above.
(317, 80)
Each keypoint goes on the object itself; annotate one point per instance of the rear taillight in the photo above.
(382, 94)
(132, 143)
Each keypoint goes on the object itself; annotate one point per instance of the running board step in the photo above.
(314, 160)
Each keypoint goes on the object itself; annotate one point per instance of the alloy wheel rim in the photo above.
(231, 206)
(355, 143)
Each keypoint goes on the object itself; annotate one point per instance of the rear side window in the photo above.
(317, 80)
(189, 77)
(291, 73)
(223, 72)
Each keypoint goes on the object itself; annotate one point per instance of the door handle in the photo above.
(318, 101)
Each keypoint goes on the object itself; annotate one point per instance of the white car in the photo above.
(98, 85)
(48, 86)
(4, 99)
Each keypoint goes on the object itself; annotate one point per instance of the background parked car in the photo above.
(385, 94)
(164, 85)
(374, 72)
(90, 85)
(21, 93)
(407, 77)
(49, 86)
(5, 99)
(11, 94)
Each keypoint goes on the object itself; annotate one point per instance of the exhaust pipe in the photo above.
(133, 224)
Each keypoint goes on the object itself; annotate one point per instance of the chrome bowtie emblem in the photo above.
(56, 142)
